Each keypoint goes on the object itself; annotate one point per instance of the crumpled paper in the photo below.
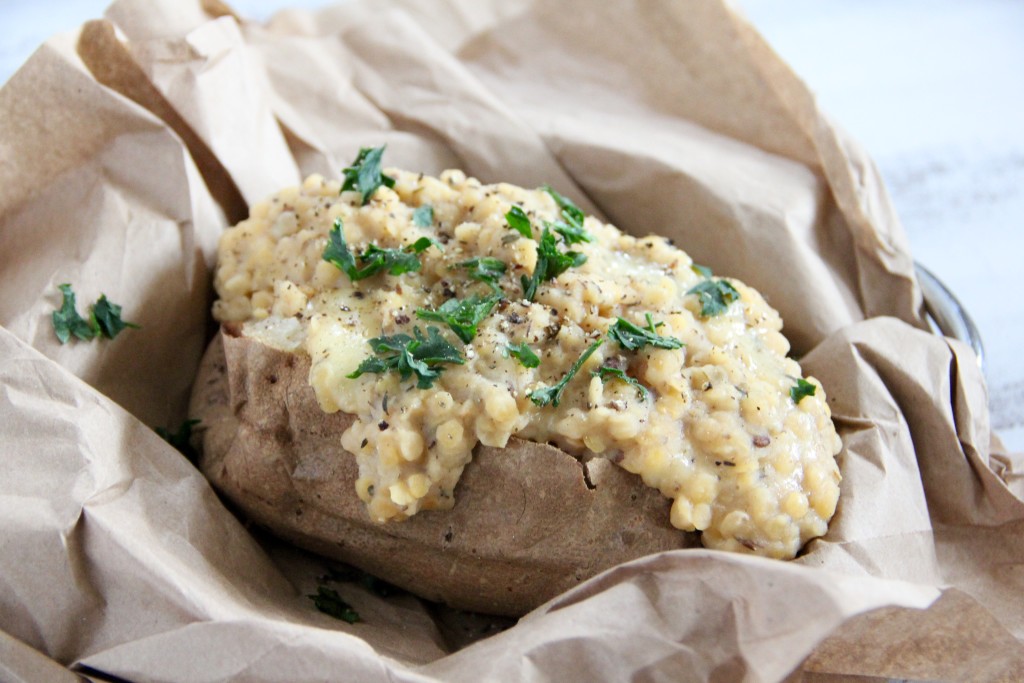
(130, 144)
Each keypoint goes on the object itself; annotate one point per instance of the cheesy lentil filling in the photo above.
(714, 415)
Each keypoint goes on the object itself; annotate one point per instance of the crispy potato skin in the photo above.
(529, 522)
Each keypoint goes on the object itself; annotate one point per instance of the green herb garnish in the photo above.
(104, 318)
(423, 217)
(802, 390)
(407, 356)
(570, 233)
(484, 269)
(462, 316)
(550, 263)
(67, 322)
(703, 271)
(519, 221)
(373, 259)
(714, 296)
(608, 373)
(553, 394)
(633, 337)
(365, 175)
(527, 358)
(349, 574)
(572, 214)
(330, 603)
(181, 439)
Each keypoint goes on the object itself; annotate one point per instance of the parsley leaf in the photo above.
(550, 264)
(330, 603)
(527, 358)
(703, 271)
(67, 322)
(633, 337)
(519, 221)
(405, 355)
(106, 317)
(373, 259)
(714, 296)
(553, 394)
(572, 214)
(423, 217)
(461, 316)
(607, 373)
(181, 439)
(802, 390)
(364, 175)
(484, 269)
(571, 234)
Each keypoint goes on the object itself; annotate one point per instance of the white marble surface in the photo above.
(931, 88)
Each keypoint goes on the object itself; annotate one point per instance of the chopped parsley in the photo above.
(571, 234)
(365, 175)
(714, 296)
(571, 229)
(484, 269)
(802, 390)
(703, 271)
(527, 358)
(420, 356)
(330, 603)
(104, 318)
(349, 574)
(550, 264)
(373, 259)
(462, 316)
(423, 216)
(607, 373)
(181, 439)
(632, 337)
(553, 394)
(572, 214)
(518, 220)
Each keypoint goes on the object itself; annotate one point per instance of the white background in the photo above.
(933, 89)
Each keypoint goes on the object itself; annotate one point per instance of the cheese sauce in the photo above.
(714, 427)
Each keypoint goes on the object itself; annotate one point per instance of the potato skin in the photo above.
(529, 522)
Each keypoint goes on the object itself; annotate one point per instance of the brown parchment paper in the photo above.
(125, 149)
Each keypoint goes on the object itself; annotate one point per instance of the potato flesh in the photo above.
(720, 435)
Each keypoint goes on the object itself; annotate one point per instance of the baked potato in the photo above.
(493, 396)
(530, 521)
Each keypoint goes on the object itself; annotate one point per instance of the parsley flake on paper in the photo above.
(330, 603)
(181, 439)
(408, 356)
(104, 318)
(365, 175)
